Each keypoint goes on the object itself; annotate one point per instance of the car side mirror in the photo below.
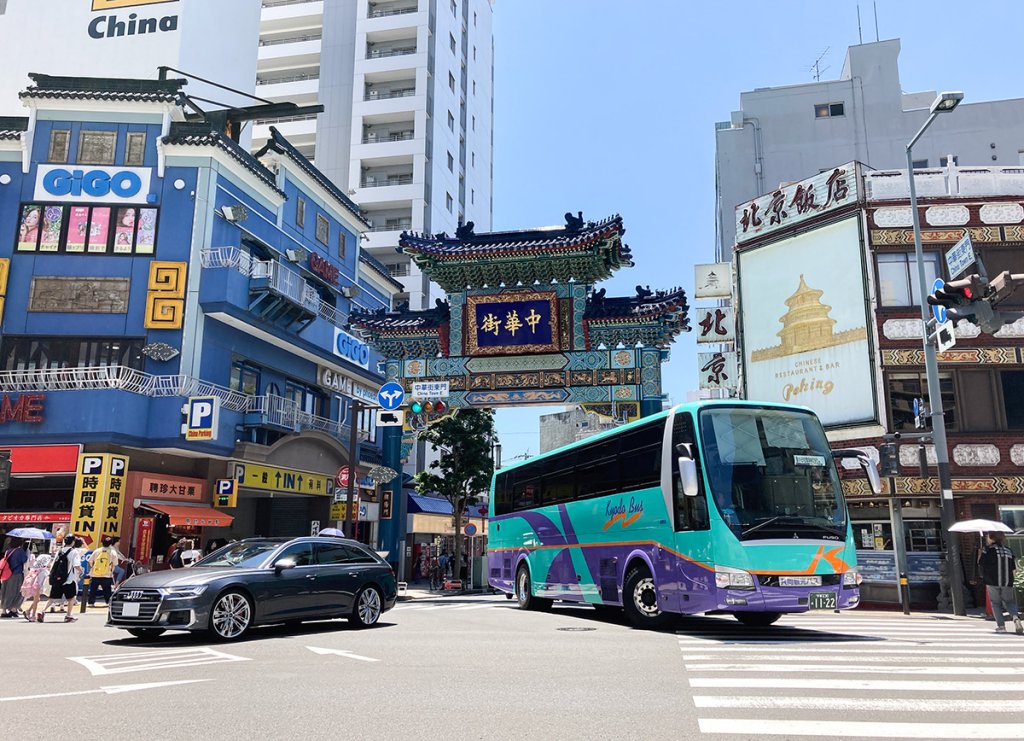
(284, 563)
(866, 462)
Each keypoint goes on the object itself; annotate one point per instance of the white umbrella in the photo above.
(979, 526)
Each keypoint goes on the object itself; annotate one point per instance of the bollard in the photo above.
(84, 596)
(905, 593)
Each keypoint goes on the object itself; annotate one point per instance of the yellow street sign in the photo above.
(99, 496)
(286, 480)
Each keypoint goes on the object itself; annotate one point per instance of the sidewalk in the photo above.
(421, 590)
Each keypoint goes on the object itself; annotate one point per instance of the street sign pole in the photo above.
(353, 458)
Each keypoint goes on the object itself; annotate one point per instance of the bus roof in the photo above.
(691, 406)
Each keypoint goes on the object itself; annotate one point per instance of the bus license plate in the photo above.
(822, 601)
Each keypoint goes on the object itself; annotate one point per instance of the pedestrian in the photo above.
(997, 567)
(35, 580)
(444, 564)
(64, 574)
(174, 561)
(435, 574)
(464, 569)
(12, 574)
(117, 575)
(101, 570)
(191, 554)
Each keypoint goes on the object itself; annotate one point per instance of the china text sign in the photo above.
(512, 323)
(99, 496)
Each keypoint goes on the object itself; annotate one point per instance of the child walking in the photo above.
(32, 587)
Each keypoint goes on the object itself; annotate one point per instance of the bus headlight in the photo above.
(727, 577)
(852, 578)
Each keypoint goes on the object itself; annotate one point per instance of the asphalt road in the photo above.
(477, 668)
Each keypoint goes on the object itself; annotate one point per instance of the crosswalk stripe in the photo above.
(909, 705)
(993, 671)
(856, 684)
(779, 652)
(878, 657)
(863, 729)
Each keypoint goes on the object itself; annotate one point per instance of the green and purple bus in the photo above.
(710, 507)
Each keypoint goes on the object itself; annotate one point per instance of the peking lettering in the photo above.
(109, 26)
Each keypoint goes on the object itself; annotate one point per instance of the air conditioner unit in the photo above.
(350, 291)
(371, 136)
(373, 94)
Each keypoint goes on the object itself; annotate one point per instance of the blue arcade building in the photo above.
(167, 296)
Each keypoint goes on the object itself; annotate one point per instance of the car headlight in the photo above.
(727, 577)
(182, 592)
(852, 578)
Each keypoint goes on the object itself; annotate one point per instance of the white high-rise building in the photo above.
(784, 134)
(407, 90)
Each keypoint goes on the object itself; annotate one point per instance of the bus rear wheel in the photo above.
(524, 592)
(757, 619)
(640, 599)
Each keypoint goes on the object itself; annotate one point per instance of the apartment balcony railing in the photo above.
(285, 119)
(394, 136)
(288, 78)
(278, 3)
(381, 181)
(391, 227)
(384, 12)
(280, 280)
(389, 94)
(396, 52)
(291, 39)
(273, 410)
(399, 270)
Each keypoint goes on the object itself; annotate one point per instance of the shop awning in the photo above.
(192, 516)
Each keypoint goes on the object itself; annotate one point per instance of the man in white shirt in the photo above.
(64, 585)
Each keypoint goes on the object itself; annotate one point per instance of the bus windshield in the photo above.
(771, 473)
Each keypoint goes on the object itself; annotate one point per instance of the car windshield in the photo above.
(771, 470)
(244, 555)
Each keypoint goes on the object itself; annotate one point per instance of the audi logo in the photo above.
(135, 594)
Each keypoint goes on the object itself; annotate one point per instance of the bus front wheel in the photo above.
(640, 599)
(757, 619)
(524, 593)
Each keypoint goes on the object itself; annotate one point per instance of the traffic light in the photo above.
(1003, 286)
(961, 298)
(889, 460)
(416, 406)
(423, 412)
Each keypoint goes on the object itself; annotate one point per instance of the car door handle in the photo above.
(311, 576)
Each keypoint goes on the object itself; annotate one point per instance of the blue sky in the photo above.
(609, 106)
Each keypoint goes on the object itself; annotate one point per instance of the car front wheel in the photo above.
(231, 616)
(367, 609)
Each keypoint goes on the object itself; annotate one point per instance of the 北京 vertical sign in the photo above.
(99, 496)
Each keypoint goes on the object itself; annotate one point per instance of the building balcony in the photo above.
(298, 51)
(301, 89)
(299, 130)
(284, 15)
(388, 10)
(396, 51)
(374, 94)
(284, 414)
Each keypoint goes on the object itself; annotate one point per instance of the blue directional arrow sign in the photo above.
(939, 312)
(391, 395)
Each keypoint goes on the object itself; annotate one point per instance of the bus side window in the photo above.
(503, 493)
(691, 512)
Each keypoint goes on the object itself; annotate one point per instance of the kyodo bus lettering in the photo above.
(620, 512)
(95, 183)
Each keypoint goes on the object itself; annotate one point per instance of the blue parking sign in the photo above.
(391, 395)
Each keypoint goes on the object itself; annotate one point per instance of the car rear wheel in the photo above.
(757, 619)
(367, 609)
(640, 599)
(231, 616)
(146, 632)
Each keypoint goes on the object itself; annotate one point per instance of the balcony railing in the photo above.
(394, 136)
(288, 78)
(389, 94)
(384, 12)
(278, 3)
(391, 227)
(399, 270)
(285, 119)
(382, 181)
(396, 52)
(280, 279)
(273, 410)
(291, 39)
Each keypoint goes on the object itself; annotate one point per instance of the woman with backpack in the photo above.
(67, 565)
(12, 574)
(32, 589)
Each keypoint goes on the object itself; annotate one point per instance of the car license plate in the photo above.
(799, 581)
(130, 609)
(822, 601)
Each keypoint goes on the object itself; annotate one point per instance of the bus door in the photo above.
(695, 569)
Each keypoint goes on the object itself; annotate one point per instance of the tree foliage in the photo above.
(465, 466)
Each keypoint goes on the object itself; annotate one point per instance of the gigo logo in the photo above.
(351, 349)
(130, 184)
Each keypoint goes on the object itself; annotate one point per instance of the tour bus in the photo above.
(710, 507)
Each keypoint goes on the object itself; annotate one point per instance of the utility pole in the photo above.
(353, 458)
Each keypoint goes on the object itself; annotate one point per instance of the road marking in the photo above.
(778, 652)
(855, 703)
(111, 690)
(150, 660)
(863, 729)
(855, 669)
(856, 684)
(473, 607)
(876, 656)
(829, 645)
(339, 652)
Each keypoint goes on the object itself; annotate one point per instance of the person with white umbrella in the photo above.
(997, 567)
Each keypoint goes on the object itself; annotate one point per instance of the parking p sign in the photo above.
(202, 414)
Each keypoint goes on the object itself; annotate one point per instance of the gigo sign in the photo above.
(107, 184)
(351, 349)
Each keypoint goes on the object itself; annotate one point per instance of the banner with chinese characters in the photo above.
(99, 496)
(718, 370)
(512, 323)
(805, 329)
(792, 204)
(287, 480)
(715, 324)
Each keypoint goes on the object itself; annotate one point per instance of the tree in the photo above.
(465, 467)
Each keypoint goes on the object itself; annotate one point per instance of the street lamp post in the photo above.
(944, 103)
(353, 460)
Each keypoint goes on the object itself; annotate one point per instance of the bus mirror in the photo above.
(688, 476)
(866, 462)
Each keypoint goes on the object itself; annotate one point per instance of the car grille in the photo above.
(148, 599)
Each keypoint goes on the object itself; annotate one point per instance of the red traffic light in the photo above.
(440, 407)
